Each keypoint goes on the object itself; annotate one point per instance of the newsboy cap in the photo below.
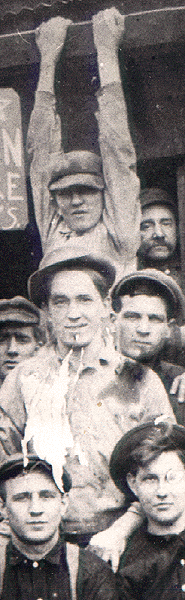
(170, 437)
(13, 465)
(155, 195)
(160, 284)
(18, 310)
(79, 167)
(67, 258)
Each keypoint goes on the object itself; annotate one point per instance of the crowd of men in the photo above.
(92, 413)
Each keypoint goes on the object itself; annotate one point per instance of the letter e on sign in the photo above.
(13, 196)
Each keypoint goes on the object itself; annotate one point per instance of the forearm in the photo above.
(122, 209)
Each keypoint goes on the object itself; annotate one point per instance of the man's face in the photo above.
(158, 232)
(142, 326)
(16, 344)
(81, 206)
(160, 488)
(75, 308)
(34, 507)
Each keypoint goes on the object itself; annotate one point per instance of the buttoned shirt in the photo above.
(116, 235)
(48, 578)
(104, 403)
(153, 567)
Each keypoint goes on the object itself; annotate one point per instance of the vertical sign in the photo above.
(13, 196)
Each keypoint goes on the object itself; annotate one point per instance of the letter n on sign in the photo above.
(13, 196)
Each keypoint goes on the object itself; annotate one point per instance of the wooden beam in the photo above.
(181, 208)
(153, 27)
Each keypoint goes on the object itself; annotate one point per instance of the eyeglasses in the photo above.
(171, 477)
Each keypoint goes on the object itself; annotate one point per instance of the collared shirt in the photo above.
(100, 408)
(116, 235)
(153, 567)
(48, 578)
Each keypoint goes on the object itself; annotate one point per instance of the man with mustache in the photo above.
(158, 229)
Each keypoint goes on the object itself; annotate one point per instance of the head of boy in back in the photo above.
(145, 303)
(148, 464)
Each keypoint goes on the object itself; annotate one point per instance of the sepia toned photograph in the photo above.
(92, 300)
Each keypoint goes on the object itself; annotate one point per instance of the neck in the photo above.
(167, 528)
(34, 551)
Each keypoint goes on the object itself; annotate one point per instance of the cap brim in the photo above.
(36, 283)
(83, 179)
(18, 317)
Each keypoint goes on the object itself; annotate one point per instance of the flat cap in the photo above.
(171, 437)
(13, 465)
(67, 258)
(79, 167)
(18, 310)
(155, 195)
(160, 284)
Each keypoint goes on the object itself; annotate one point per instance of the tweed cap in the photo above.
(79, 167)
(67, 258)
(13, 465)
(18, 310)
(156, 195)
(161, 285)
(171, 437)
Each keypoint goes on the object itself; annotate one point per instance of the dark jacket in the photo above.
(48, 579)
(153, 567)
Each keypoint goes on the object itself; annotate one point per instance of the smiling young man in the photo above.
(148, 463)
(69, 400)
(38, 563)
(79, 193)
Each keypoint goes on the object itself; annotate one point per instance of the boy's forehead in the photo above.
(143, 300)
(31, 481)
(167, 460)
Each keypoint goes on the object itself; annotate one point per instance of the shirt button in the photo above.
(182, 562)
(183, 587)
(35, 565)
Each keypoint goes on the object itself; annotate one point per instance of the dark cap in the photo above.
(18, 310)
(156, 195)
(79, 167)
(67, 258)
(13, 465)
(160, 284)
(169, 437)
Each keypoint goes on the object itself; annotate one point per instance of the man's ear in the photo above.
(170, 324)
(131, 481)
(64, 504)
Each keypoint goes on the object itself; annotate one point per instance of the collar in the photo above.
(99, 357)
(53, 557)
(179, 538)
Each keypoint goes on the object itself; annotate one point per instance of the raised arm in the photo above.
(122, 208)
(44, 134)
(12, 415)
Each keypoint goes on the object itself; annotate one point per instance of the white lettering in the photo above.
(14, 223)
(3, 104)
(11, 186)
(12, 149)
